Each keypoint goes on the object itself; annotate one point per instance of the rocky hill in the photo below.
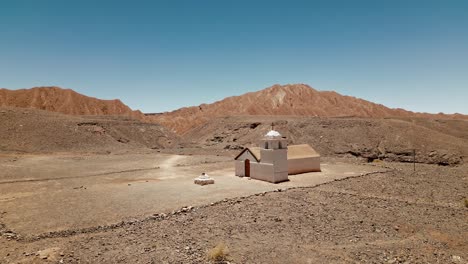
(36, 131)
(436, 141)
(64, 101)
(293, 99)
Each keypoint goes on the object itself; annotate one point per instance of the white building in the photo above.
(273, 161)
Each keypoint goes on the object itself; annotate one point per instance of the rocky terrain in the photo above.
(390, 215)
(66, 101)
(398, 216)
(35, 131)
(436, 141)
(290, 100)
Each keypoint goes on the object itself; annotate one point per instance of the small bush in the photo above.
(218, 253)
(466, 203)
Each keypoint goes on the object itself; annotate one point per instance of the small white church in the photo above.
(273, 161)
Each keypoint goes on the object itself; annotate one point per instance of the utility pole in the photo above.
(413, 134)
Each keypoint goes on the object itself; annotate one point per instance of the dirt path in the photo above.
(169, 167)
(171, 162)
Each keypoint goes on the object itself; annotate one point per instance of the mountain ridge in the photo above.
(66, 101)
(289, 99)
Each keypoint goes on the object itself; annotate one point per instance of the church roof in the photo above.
(301, 151)
(294, 152)
(255, 151)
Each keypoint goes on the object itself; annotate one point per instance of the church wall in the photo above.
(240, 167)
(239, 163)
(277, 157)
(281, 160)
(266, 172)
(262, 172)
(247, 155)
(281, 176)
(273, 144)
(310, 164)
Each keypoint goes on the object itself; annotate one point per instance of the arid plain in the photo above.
(110, 188)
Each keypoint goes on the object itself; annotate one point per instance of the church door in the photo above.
(247, 168)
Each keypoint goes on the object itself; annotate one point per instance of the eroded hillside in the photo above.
(291, 100)
(30, 130)
(385, 139)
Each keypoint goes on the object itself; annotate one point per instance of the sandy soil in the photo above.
(390, 217)
(46, 193)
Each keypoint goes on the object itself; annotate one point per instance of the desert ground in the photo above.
(352, 212)
(112, 190)
(50, 193)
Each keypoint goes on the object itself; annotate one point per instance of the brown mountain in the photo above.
(64, 101)
(291, 99)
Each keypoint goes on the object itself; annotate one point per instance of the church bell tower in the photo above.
(274, 153)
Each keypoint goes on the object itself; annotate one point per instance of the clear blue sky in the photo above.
(162, 55)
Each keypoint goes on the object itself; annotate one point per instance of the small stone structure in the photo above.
(204, 179)
(273, 161)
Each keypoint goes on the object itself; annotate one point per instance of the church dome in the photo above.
(273, 134)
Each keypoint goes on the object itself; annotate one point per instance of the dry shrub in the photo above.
(466, 203)
(218, 253)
